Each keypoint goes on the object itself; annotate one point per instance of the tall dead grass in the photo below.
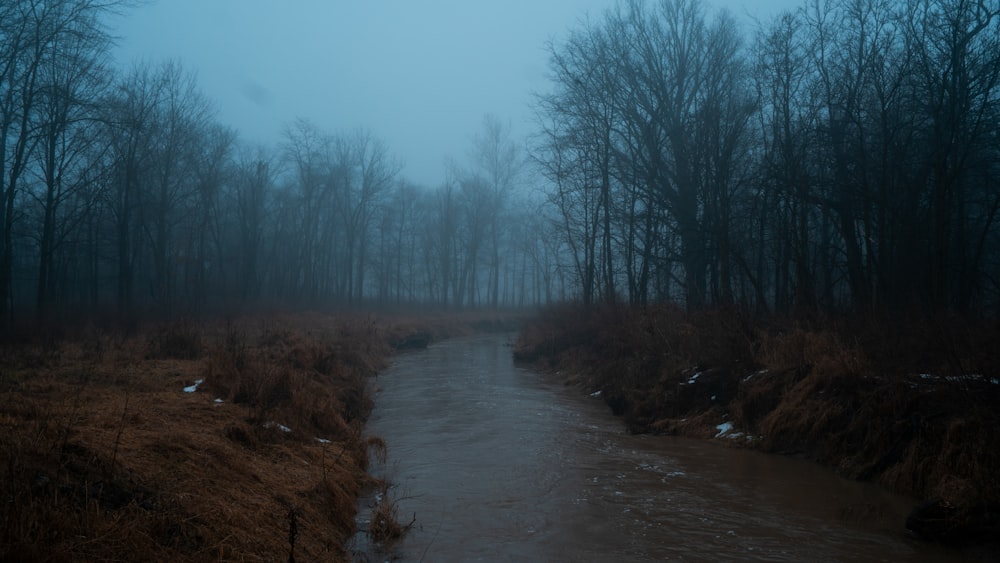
(103, 456)
(909, 404)
(641, 359)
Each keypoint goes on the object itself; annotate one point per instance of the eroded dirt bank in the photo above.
(195, 440)
(914, 408)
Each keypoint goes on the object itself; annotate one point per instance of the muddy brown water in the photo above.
(498, 463)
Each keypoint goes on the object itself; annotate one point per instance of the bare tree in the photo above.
(310, 154)
(206, 245)
(131, 115)
(71, 79)
(496, 158)
(786, 121)
(35, 36)
(370, 172)
(575, 152)
(182, 117)
(255, 171)
(956, 50)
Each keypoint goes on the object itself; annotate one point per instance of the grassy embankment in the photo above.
(105, 456)
(913, 407)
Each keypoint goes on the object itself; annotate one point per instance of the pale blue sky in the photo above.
(418, 73)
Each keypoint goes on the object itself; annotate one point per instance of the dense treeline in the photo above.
(843, 156)
(122, 192)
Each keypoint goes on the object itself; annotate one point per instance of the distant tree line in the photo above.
(122, 192)
(843, 156)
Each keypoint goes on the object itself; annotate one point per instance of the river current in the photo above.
(493, 462)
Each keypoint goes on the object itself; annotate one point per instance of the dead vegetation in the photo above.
(104, 456)
(913, 406)
(384, 525)
(196, 440)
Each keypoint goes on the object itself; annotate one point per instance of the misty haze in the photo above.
(561, 280)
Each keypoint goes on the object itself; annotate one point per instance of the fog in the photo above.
(170, 156)
(421, 75)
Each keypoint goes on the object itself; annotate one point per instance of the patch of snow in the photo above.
(959, 378)
(995, 381)
(193, 388)
(713, 397)
(277, 425)
(694, 378)
(217, 400)
(322, 440)
(596, 393)
(723, 428)
(734, 435)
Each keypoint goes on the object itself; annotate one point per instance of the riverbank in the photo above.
(911, 407)
(196, 440)
(494, 462)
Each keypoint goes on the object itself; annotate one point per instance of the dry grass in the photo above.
(892, 402)
(641, 360)
(385, 528)
(103, 456)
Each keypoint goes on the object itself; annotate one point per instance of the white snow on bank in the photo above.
(596, 393)
(726, 431)
(959, 378)
(193, 388)
(694, 378)
(277, 425)
(723, 429)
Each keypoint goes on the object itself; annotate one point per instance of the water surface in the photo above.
(498, 463)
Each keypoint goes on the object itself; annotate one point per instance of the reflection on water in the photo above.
(497, 464)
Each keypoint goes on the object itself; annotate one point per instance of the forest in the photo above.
(842, 157)
(123, 193)
(799, 213)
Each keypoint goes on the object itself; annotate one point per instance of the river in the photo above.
(498, 463)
